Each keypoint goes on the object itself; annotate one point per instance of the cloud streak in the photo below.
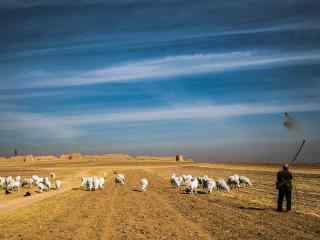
(306, 25)
(174, 66)
(71, 126)
(90, 44)
(189, 112)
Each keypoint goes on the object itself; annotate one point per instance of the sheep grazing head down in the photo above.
(92, 183)
(192, 185)
(120, 179)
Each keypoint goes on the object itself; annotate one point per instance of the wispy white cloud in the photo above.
(74, 126)
(37, 126)
(228, 31)
(54, 93)
(173, 66)
(15, 96)
(189, 112)
(270, 28)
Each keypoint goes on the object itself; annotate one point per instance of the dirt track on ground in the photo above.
(122, 212)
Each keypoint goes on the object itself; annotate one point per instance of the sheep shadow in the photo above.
(39, 192)
(189, 193)
(184, 193)
(253, 208)
(202, 192)
(137, 190)
(82, 189)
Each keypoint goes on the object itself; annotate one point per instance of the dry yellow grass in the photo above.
(121, 212)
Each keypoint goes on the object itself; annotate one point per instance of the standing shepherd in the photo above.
(284, 185)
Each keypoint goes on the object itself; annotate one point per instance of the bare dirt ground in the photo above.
(122, 212)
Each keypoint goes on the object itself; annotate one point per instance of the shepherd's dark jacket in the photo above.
(284, 182)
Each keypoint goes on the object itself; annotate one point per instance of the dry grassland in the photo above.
(122, 212)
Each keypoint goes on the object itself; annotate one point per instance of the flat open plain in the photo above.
(122, 212)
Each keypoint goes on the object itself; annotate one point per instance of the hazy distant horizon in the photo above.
(268, 153)
(209, 79)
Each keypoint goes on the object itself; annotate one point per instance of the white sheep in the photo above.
(209, 185)
(202, 180)
(42, 187)
(222, 185)
(18, 178)
(89, 184)
(101, 182)
(234, 181)
(245, 181)
(47, 182)
(192, 185)
(96, 183)
(176, 181)
(27, 182)
(83, 182)
(12, 184)
(92, 183)
(186, 179)
(120, 179)
(2, 182)
(37, 180)
(143, 184)
(8, 180)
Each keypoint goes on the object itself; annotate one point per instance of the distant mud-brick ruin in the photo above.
(179, 158)
(75, 156)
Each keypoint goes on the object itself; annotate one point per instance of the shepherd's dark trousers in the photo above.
(287, 194)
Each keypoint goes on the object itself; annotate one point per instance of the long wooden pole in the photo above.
(299, 151)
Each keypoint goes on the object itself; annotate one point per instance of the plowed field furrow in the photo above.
(145, 215)
(76, 214)
(218, 211)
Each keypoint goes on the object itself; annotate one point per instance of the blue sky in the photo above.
(210, 79)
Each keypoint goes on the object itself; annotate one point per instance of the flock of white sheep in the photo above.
(14, 184)
(92, 183)
(191, 184)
